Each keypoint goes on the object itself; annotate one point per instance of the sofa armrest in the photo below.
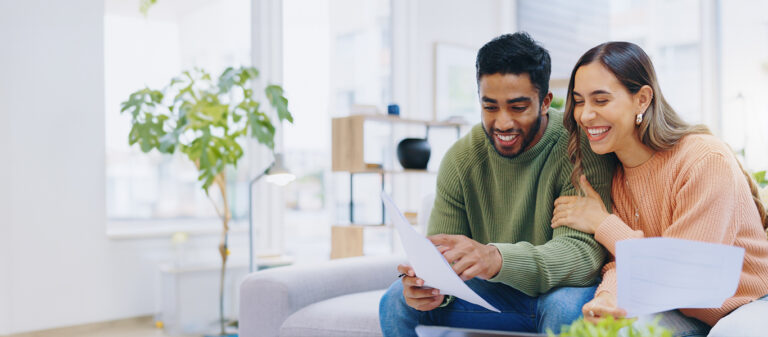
(269, 296)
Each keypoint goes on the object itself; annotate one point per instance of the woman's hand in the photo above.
(580, 213)
(604, 304)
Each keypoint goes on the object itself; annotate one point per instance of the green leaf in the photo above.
(251, 72)
(227, 80)
(760, 177)
(263, 130)
(201, 118)
(275, 97)
(145, 5)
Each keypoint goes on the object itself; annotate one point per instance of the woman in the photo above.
(674, 180)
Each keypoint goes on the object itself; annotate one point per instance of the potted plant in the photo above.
(206, 120)
(610, 327)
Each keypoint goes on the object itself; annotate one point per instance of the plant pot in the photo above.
(413, 153)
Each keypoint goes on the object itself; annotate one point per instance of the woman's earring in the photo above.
(639, 119)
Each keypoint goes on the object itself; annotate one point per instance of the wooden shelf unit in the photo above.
(348, 139)
(348, 155)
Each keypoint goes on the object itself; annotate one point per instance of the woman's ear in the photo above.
(644, 96)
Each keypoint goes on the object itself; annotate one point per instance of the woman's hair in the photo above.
(661, 127)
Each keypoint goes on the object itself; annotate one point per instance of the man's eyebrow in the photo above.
(509, 101)
(489, 100)
(519, 99)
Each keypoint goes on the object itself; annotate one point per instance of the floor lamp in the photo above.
(276, 174)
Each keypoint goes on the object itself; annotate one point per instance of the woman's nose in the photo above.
(587, 114)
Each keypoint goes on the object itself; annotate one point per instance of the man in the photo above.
(492, 215)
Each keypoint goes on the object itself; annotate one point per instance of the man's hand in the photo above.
(416, 296)
(468, 257)
(604, 304)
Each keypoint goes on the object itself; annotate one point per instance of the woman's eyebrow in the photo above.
(595, 92)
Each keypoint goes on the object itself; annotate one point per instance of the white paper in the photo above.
(427, 261)
(660, 274)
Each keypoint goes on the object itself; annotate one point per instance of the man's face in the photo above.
(513, 119)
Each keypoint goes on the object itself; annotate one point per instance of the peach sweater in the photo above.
(694, 191)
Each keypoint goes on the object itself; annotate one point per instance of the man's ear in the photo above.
(546, 103)
(644, 96)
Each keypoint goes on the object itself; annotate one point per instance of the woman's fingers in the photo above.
(566, 200)
(588, 187)
(595, 310)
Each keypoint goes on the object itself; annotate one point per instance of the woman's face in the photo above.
(605, 109)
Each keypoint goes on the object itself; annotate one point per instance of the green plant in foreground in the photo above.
(205, 120)
(610, 327)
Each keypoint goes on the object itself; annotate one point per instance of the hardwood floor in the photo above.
(132, 327)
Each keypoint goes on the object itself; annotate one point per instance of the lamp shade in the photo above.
(278, 174)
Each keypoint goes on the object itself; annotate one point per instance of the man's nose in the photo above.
(505, 121)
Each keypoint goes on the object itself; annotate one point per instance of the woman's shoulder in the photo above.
(700, 145)
(694, 148)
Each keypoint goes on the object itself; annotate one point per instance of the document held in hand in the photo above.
(427, 261)
(660, 274)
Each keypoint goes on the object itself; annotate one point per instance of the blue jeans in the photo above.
(519, 312)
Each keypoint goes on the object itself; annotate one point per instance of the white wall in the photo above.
(417, 26)
(5, 173)
(58, 267)
(424, 23)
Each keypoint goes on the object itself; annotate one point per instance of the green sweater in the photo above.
(509, 203)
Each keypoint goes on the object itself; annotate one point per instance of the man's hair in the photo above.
(516, 54)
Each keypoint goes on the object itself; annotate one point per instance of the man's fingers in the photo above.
(441, 239)
(411, 281)
(406, 269)
(453, 255)
(425, 304)
(420, 292)
(471, 272)
(461, 265)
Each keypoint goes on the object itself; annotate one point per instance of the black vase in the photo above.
(413, 153)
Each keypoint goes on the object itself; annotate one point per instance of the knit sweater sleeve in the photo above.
(706, 196)
(571, 257)
(449, 215)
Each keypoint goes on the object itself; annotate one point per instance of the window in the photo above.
(744, 79)
(690, 43)
(146, 189)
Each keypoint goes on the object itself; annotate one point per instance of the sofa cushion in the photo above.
(349, 315)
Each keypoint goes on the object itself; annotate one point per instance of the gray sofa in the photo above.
(336, 298)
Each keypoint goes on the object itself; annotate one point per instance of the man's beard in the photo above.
(527, 137)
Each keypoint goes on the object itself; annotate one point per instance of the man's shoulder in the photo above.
(470, 147)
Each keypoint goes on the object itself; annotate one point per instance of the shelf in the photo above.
(395, 119)
(380, 171)
(348, 140)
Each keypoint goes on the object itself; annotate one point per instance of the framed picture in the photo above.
(455, 87)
